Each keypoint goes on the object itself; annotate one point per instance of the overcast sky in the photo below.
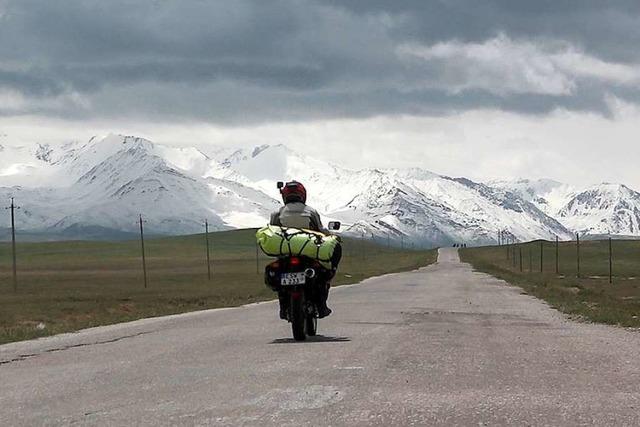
(482, 89)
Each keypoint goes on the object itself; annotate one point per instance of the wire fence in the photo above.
(60, 286)
(161, 263)
(608, 259)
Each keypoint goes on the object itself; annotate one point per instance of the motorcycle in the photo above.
(299, 281)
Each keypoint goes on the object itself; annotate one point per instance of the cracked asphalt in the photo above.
(439, 346)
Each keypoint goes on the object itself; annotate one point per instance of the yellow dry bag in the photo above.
(279, 241)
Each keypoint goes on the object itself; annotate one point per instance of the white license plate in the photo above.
(290, 279)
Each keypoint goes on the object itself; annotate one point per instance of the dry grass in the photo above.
(591, 296)
(73, 285)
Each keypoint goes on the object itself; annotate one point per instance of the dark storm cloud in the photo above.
(250, 61)
(608, 28)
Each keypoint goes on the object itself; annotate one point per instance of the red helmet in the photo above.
(293, 191)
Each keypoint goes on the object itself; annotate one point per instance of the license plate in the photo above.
(290, 279)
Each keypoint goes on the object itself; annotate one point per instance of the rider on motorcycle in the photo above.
(295, 213)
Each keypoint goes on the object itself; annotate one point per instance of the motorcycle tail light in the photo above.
(294, 261)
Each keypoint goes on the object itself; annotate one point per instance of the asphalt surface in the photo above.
(439, 346)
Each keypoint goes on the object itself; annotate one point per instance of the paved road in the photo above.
(442, 345)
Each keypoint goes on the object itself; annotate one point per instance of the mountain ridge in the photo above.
(106, 181)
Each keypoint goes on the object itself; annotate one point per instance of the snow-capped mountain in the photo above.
(600, 209)
(603, 209)
(108, 181)
(548, 195)
(25, 165)
(413, 204)
(105, 183)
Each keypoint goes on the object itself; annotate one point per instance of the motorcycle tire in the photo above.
(312, 325)
(298, 319)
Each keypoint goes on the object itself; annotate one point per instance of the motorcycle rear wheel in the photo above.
(312, 325)
(298, 319)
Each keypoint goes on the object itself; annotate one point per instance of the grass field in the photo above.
(589, 296)
(67, 286)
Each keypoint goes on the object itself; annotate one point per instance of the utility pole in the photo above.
(144, 260)
(13, 207)
(206, 238)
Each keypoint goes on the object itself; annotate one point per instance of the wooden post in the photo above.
(610, 261)
(557, 256)
(578, 255)
(206, 238)
(520, 248)
(13, 207)
(144, 260)
(257, 261)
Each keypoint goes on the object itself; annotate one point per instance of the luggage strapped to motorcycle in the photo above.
(281, 241)
(288, 236)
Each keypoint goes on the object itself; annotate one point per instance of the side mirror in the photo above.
(334, 225)
(280, 185)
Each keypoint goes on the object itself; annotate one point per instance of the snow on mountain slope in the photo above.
(412, 204)
(493, 209)
(600, 209)
(548, 195)
(263, 166)
(104, 183)
(26, 165)
(108, 181)
(604, 209)
(78, 159)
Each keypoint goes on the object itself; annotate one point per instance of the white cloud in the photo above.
(573, 147)
(505, 66)
(580, 64)
(11, 100)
